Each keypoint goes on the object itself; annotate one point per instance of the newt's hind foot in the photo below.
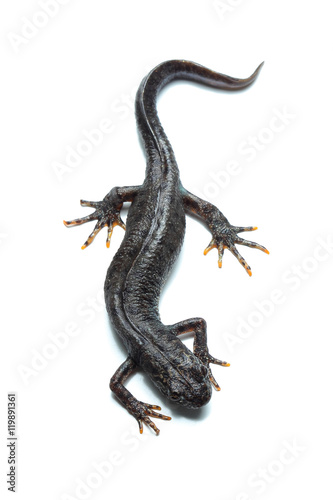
(225, 236)
(107, 215)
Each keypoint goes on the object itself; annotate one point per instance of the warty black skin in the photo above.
(155, 229)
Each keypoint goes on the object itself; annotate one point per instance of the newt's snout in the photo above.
(199, 396)
(195, 396)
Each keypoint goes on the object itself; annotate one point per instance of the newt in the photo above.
(154, 234)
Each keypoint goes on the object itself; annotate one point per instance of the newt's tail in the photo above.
(187, 70)
(167, 72)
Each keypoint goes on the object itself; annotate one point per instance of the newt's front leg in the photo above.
(198, 327)
(140, 411)
(107, 212)
(224, 235)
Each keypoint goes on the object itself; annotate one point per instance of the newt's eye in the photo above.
(204, 370)
(174, 396)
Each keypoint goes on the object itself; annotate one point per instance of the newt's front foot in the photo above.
(206, 359)
(225, 236)
(106, 213)
(142, 411)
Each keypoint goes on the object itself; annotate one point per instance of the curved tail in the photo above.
(148, 122)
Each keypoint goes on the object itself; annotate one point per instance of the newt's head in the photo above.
(189, 391)
(178, 374)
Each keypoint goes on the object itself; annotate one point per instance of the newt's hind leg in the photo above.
(107, 212)
(140, 411)
(224, 235)
(200, 348)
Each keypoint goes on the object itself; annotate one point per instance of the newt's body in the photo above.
(154, 235)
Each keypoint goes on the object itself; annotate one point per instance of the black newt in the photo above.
(154, 235)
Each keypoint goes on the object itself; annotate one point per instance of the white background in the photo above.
(82, 67)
